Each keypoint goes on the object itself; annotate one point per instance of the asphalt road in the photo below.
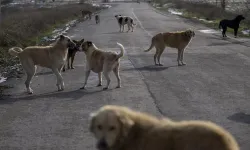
(214, 85)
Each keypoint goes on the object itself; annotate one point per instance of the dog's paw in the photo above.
(99, 85)
(179, 64)
(183, 64)
(118, 86)
(160, 65)
(105, 88)
(82, 88)
(72, 68)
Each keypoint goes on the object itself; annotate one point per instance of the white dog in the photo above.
(122, 20)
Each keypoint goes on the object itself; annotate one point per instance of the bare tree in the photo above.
(223, 4)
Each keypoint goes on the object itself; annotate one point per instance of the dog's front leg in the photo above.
(100, 79)
(178, 57)
(86, 79)
(235, 32)
(106, 72)
(72, 60)
(60, 83)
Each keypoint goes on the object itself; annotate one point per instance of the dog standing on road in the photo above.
(178, 40)
(100, 61)
(72, 52)
(52, 57)
(97, 19)
(123, 20)
(234, 24)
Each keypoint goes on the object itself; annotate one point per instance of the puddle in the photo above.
(209, 31)
(175, 12)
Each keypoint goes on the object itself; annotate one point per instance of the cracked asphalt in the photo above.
(214, 85)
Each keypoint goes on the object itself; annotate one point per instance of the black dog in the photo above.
(72, 52)
(234, 24)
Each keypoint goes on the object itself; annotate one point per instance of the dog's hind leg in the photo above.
(86, 79)
(106, 71)
(60, 83)
(30, 69)
(224, 30)
(160, 51)
(116, 72)
(155, 55)
(100, 79)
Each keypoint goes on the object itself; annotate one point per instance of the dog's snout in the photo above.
(102, 144)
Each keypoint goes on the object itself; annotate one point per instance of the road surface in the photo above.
(214, 85)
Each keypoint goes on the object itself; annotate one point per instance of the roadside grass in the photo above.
(26, 26)
(207, 14)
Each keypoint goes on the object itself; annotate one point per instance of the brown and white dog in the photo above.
(100, 61)
(52, 57)
(123, 20)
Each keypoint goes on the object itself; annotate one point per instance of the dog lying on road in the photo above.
(123, 20)
(179, 40)
(100, 61)
(88, 13)
(72, 52)
(52, 57)
(120, 128)
(234, 24)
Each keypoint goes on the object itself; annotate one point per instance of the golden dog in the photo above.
(178, 40)
(101, 61)
(120, 128)
(52, 57)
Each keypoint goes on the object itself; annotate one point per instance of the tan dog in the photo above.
(178, 40)
(52, 57)
(120, 128)
(100, 61)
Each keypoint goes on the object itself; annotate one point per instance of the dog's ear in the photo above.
(89, 43)
(126, 123)
(92, 118)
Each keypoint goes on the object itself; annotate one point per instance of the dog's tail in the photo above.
(14, 51)
(151, 46)
(122, 50)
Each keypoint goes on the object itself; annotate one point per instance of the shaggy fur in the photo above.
(97, 19)
(100, 61)
(123, 20)
(52, 57)
(234, 24)
(120, 128)
(72, 52)
(178, 40)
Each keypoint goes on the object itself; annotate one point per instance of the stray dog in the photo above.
(97, 19)
(122, 20)
(72, 52)
(121, 128)
(52, 57)
(178, 40)
(234, 24)
(87, 12)
(100, 61)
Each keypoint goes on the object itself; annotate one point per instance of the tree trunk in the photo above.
(223, 4)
